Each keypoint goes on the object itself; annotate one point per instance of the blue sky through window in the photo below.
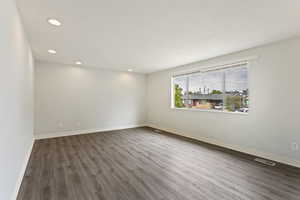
(236, 79)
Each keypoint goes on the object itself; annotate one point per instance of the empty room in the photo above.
(150, 100)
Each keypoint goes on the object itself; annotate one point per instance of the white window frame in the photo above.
(228, 65)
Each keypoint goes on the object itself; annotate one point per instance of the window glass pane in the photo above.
(180, 89)
(205, 91)
(236, 87)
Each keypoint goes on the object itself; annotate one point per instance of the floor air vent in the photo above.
(266, 162)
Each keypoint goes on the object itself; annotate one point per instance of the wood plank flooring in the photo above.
(140, 164)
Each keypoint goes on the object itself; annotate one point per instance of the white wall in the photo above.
(273, 122)
(16, 100)
(81, 99)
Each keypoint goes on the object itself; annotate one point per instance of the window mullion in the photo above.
(224, 90)
(188, 88)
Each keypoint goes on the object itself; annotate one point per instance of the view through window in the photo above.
(222, 89)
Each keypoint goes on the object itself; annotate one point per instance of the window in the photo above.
(223, 89)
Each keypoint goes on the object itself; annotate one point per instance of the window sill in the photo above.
(212, 111)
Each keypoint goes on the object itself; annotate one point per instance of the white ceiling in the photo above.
(152, 35)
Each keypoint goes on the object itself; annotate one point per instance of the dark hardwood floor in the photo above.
(138, 164)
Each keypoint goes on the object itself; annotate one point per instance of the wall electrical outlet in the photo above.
(78, 124)
(60, 124)
(294, 146)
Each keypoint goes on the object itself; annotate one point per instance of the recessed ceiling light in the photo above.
(51, 51)
(130, 70)
(78, 62)
(54, 22)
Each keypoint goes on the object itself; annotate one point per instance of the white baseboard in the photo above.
(39, 136)
(270, 156)
(22, 173)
